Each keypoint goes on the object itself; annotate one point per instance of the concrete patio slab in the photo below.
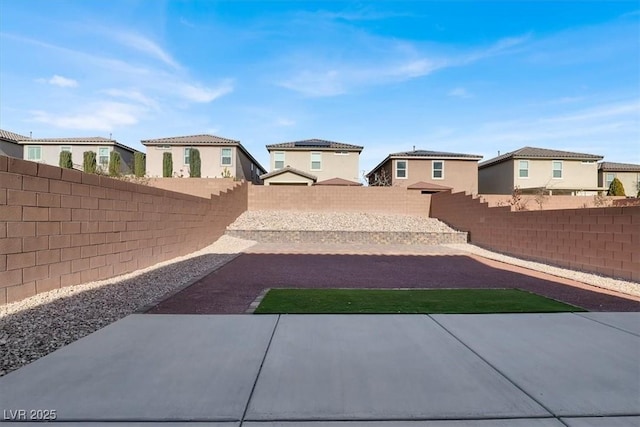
(572, 365)
(148, 368)
(629, 322)
(368, 367)
(602, 422)
(526, 422)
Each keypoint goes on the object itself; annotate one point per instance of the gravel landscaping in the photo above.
(343, 221)
(36, 326)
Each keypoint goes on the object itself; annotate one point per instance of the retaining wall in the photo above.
(201, 187)
(357, 237)
(386, 200)
(61, 227)
(599, 240)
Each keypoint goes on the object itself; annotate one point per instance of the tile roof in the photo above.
(421, 185)
(618, 167)
(190, 140)
(10, 136)
(316, 144)
(289, 169)
(539, 153)
(433, 154)
(339, 182)
(79, 140)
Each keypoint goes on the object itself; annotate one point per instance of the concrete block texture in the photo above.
(572, 365)
(394, 367)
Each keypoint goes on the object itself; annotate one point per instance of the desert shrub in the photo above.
(194, 163)
(66, 160)
(139, 164)
(114, 163)
(226, 173)
(89, 161)
(167, 165)
(616, 188)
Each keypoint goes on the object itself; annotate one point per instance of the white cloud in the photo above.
(282, 121)
(143, 44)
(104, 116)
(132, 95)
(57, 80)
(202, 94)
(459, 92)
(401, 61)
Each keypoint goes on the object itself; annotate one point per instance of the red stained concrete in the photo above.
(234, 286)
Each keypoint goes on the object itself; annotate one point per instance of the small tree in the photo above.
(167, 165)
(65, 160)
(114, 164)
(616, 188)
(89, 162)
(139, 164)
(380, 179)
(194, 163)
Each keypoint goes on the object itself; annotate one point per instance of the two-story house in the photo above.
(10, 144)
(540, 170)
(628, 174)
(220, 157)
(428, 171)
(313, 161)
(47, 150)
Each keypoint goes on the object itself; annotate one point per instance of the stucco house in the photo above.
(47, 150)
(220, 157)
(428, 171)
(534, 170)
(627, 173)
(289, 176)
(325, 160)
(10, 144)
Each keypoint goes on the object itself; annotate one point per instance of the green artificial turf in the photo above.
(325, 301)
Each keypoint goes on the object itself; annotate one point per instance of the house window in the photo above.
(278, 157)
(187, 154)
(225, 159)
(103, 156)
(610, 177)
(401, 169)
(34, 153)
(557, 169)
(316, 161)
(523, 169)
(438, 169)
(65, 148)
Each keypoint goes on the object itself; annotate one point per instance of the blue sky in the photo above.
(472, 77)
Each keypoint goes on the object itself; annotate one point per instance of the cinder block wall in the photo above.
(201, 187)
(385, 200)
(61, 227)
(599, 240)
(533, 203)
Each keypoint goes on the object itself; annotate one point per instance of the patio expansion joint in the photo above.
(255, 382)
(607, 324)
(549, 411)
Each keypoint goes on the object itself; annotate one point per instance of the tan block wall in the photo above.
(548, 202)
(600, 240)
(61, 227)
(200, 187)
(387, 200)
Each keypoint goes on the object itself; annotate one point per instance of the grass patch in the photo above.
(388, 301)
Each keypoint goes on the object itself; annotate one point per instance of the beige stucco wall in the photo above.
(210, 158)
(575, 175)
(288, 178)
(460, 175)
(334, 165)
(51, 154)
(501, 178)
(629, 180)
